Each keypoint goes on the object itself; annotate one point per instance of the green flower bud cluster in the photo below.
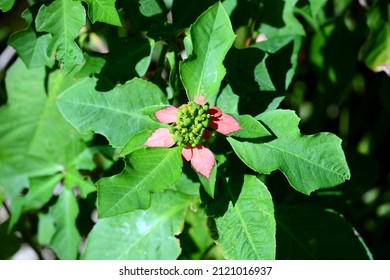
(192, 120)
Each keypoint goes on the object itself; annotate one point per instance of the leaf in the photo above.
(376, 50)
(136, 142)
(39, 193)
(103, 11)
(36, 140)
(114, 114)
(66, 239)
(209, 183)
(279, 19)
(212, 36)
(46, 228)
(227, 101)
(73, 178)
(147, 171)
(30, 45)
(250, 128)
(63, 19)
(307, 232)
(151, 8)
(309, 162)
(246, 230)
(142, 234)
(128, 58)
(6, 5)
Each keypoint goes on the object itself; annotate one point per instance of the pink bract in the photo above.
(166, 115)
(161, 137)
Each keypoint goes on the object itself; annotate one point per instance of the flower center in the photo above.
(192, 120)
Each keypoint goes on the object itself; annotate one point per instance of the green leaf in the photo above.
(73, 178)
(103, 11)
(151, 8)
(246, 230)
(136, 142)
(30, 46)
(63, 19)
(36, 140)
(309, 162)
(55, 139)
(227, 101)
(147, 171)
(6, 5)
(249, 128)
(209, 184)
(142, 234)
(46, 228)
(279, 19)
(306, 233)
(114, 114)
(376, 50)
(39, 193)
(212, 36)
(66, 239)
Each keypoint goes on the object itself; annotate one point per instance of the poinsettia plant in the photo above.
(165, 121)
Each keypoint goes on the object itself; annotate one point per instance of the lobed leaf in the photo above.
(142, 234)
(36, 140)
(309, 162)
(147, 171)
(66, 239)
(246, 231)
(6, 5)
(29, 45)
(103, 11)
(63, 19)
(212, 36)
(115, 114)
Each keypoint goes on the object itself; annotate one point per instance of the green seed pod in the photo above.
(200, 111)
(205, 108)
(205, 123)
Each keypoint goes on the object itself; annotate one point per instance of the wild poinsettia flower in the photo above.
(190, 128)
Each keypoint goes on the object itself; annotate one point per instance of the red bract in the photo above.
(196, 121)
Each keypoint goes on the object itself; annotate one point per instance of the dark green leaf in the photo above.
(9, 243)
(307, 233)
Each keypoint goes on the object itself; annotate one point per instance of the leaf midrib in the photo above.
(138, 187)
